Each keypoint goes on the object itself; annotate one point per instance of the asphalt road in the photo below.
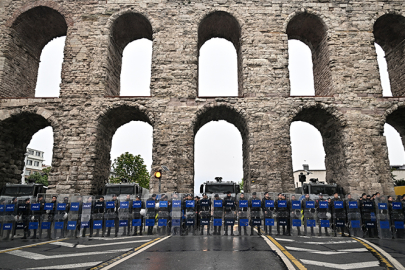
(203, 252)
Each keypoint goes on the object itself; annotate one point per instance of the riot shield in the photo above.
(10, 212)
(61, 216)
(383, 218)
(34, 217)
(229, 213)
(397, 219)
(323, 216)
(282, 214)
(310, 216)
(176, 213)
(163, 214)
(2, 213)
(353, 217)
(268, 212)
(369, 217)
(150, 204)
(255, 207)
(190, 214)
(49, 202)
(295, 214)
(138, 208)
(86, 216)
(73, 218)
(111, 221)
(125, 209)
(204, 210)
(339, 219)
(242, 206)
(22, 217)
(218, 213)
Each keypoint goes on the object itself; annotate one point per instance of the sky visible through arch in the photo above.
(218, 145)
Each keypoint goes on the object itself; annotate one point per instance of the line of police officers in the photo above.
(57, 216)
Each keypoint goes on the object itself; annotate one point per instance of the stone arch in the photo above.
(232, 116)
(330, 124)
(311, 30)
(124, 28)
(108, 122)
(221, 24)
(16, 133)
(29, 32)
(389, 33)
(395, 117)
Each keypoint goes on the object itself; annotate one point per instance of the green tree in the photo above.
(131, 168)
(40, 177)
(241, 185)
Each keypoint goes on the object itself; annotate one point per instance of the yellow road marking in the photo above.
(288, 254)
(34, 245)
(100, 266)
(376, 253)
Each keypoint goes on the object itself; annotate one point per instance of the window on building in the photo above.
(29, 162)
(36, 163)
(27, 172)
(38, 154)
(31, 152)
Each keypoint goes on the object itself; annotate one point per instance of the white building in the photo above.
(33, 163)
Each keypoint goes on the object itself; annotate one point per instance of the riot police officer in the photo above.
(97, 213)
(218, 212)
(368, 215)
(229, 212)
(151, 213)
(282, 210)
(322, 213)
(204, 209)
(23, 211)
(308, 207)
(268, 208)
(42, 212)
(242, 213)
(138, 205)
(255, 209)
(339, 214)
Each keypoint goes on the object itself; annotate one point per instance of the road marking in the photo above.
(333, 252)
(284, 254)
(111, 263)
(373, 249)
(330, 242)
(67, 266)
(71, 245)
(343, 266)
(118, 238)
(36, 256)
(33, 245)
(283, 239)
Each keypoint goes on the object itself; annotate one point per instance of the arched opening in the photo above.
(212, 30)
(384, 76)
(217, 69)
(311, 30)
(307, 150)
(136, 68)
(50, 69)
(217, 153)
(109, 123)
(16, 133)
(332, 138)
(396, 153)
(39, 153)
(300, 69)
(125, 29)
(29, 34)
(389, 33)
(236, 133)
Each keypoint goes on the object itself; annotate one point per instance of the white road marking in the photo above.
(36, 256)
(396, 264)
(31, 245)
(68, 266)
(330, 242)
(64, 244)
(118, 238)
(286, 261)
(343, 266)
(135, 253)
(284, 239)
(333, 252)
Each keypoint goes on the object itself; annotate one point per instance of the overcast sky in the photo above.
(218, 145)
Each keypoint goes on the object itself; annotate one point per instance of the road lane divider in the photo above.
(33, 245)
(115, 261)
(285, 256)
(380, 254)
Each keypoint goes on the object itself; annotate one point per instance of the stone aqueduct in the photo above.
(348, 108)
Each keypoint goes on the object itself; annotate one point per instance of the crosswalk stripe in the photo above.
(333, 252)
(36, 256)
(72, 245)
(284, 240)
(67, 266)
(342, 266)
(330, 242)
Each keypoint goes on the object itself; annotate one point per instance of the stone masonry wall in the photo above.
(350, 114)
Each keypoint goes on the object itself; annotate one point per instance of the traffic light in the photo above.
(158, 174)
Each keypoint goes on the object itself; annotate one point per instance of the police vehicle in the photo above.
(18, 190)
(314, 188)
(213, 187)
(124, 188)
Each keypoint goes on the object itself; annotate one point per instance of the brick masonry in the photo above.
(348, 108)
